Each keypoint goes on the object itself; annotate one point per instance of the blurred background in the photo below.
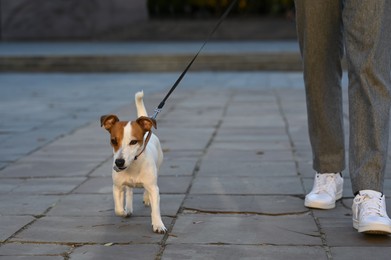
(144, 20)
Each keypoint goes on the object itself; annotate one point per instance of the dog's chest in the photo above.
(133, 184)
(130, 180)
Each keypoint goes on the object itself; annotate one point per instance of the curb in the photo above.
(288, 61)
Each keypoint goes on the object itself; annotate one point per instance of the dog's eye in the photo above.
(133, 142)
(114, 141)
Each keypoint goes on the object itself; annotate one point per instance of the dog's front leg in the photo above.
(118, 196)
(129, 201)
(154, 198)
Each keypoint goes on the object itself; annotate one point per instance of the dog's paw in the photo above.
(146, 200)
(160, 229)
(128, 214)
(123, 213)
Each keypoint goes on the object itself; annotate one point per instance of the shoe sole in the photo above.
(373, 229)
(315, 205)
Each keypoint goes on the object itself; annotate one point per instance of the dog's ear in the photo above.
(146, 123)
(107, 121)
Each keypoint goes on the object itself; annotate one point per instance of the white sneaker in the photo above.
(326, 190)
(369, 213)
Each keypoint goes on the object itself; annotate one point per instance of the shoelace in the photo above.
(371, 205)
(325, 184)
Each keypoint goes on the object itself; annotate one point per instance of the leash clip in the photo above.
(157, 111)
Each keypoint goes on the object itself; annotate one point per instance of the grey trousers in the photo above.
(363, 29)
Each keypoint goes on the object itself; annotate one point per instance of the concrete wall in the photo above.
(67, 19)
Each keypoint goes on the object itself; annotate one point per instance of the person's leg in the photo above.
(319, 27)
(367, 40)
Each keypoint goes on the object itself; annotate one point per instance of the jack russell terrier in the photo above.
(137, 159)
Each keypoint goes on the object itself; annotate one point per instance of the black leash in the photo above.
(161, 105)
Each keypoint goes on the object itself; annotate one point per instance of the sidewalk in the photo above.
(236, 169)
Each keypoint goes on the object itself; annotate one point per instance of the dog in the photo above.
(136, 162)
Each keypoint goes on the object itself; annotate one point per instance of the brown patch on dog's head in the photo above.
(108, 121)
(116, 129)
(146, 123)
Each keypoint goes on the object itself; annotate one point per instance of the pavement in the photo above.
(237, 167)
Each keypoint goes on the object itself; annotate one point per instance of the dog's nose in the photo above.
(120, 162)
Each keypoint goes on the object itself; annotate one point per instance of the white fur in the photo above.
(139, 173)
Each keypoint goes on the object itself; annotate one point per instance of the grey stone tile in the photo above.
(47, 186)
(251, 134)
(167, 184)
(13, 204)
(271, 120)
(11, 224)
(246, 155)
(178, 167)
(52, 168)
(104, 170)
(247, 169)
(29, 250)
(340, 232)
(179, 137)
(178, 154)
(34, 257)
(360, 253)
(245, 229)
(103, 205)
(242, 136)
(270, 205)
(7, 185)
(69, 155)
(246, 252)
(174, 184)
(247, 185)
(119, 252)
(96, 185)
(91, 230)
(251, 145)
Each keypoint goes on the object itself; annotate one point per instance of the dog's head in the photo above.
(126, 138)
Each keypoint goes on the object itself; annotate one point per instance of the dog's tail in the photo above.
(141, 111)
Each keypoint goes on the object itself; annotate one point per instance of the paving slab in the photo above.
(340, 232)
(13, 250)
(179, 167)
(252, 134)
(249, 155)
(44, 186)
(26, 168)
(11, 224)
(268, 205)
(33, 257)
(247, 252)
(119, 252)
(7, 185)
(360, 253)
(252, 145)
(247, 185)
(245, 230)
(222, 167)
(99, 229)
(13, 204)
